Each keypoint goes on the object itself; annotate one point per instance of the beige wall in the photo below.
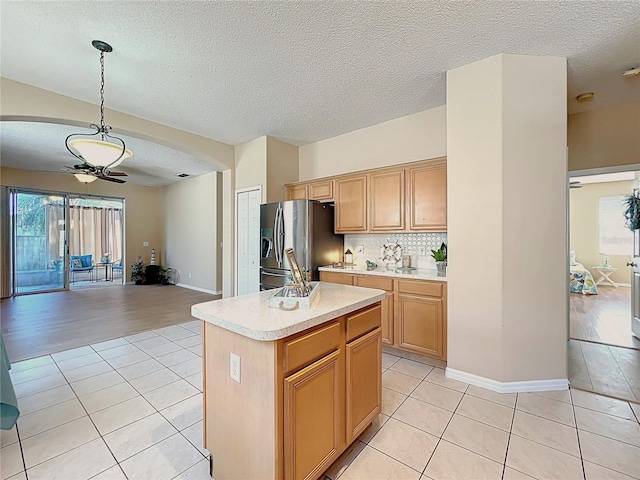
(507, 279)
(604, 137)
(144, 206)
(584, 203)
(191, 231)
(282, 168)
(251, 165)
(415, 137)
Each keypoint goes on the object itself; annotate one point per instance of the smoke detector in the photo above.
(632, 72)
(585, 97)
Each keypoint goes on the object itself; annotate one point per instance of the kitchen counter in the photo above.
(418, 274)
(250, 315)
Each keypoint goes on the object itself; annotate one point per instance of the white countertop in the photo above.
(417, 274)
(250, 315)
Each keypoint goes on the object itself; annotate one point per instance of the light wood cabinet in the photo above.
(333, 277)
(386, 201)
(321, 191)
(313, 417)
(388, 304)
(427, 197)
(351, 204)
(364, 385)
(420, 324)
(297, 192)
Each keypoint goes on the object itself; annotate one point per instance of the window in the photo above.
(615, 238)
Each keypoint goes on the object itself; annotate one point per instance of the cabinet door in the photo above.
(383, 283)
(363, 382)
(421, 325)
(321, 191)
(351, 204)
(297, 192)
(427, 200)
(313, 418)
(333, 277)
(386, 204)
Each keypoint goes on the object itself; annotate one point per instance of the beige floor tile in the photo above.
(31, 363)
(189, 341)
(194, 434)
(141, 336)
(478, 437)
(174, 333)
(188, 368)
(388, 360)
(546, 408)
(39, 385)
(399, 382)
(8, 437)
(195, 380)
(50, 417)
(74, 352)
(511, 474)
(194, 325)
(140, 369)
(451, 462)
(596, 472)
(487, 412)
(557, 395)
(81, 463)
(542, 462)
(405, 443)
(33, 373)
(338, 467)
(627, 431)
(87, 371)
(163, 461)
(391, 400)
(47, 398)
(636, 409)
(102, 399)
(506, 399)
(197, 349)
(372, 464)
(119, 351)
(128, 359)
(372, 429)
(11, 461)
(122, 414)
(57, 441)
(77, 362)
(600, 403)
(163, 349)
(171, 394)
(437, 395)
(411, 368)
(135, 437)
(19, 476)
(610, 453)
(154, 380)
(552, 434)
(200, 471)
(437, 376)
(423, 415)
(152, 342)
(176, 357)
(184, 413)
(113, 473)
(96, 383)
(116, 342)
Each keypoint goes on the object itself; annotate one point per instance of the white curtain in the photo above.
(95, 231)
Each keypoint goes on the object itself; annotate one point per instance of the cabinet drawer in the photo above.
(334, 277)
(308, 348)
(375, 282)
(363, 321)
(430, 289)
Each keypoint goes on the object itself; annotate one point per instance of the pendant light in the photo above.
(107, 151)
(84, 178)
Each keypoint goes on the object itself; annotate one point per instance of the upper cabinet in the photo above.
(351, 204)
(406, 198)
(427, 197)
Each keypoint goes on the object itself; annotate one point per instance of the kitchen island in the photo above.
(306, 382)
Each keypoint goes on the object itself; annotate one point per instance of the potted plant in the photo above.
(166, 276)
(137, 271)
(631, 212)
(440, 256)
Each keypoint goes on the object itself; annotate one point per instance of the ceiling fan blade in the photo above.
(109, 179)
(117, 174)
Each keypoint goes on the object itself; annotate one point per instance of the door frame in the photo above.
(235, 235)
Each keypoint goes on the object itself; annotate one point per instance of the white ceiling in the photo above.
(304, 71)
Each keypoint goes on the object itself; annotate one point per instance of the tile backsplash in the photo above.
(410, 243)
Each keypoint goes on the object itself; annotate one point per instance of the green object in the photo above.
(631, 212)
(137, 271)
(9, 411)
(440, 255)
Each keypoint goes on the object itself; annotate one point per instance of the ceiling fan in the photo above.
(575, 185)
(100, 173)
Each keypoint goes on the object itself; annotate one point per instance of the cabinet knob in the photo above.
(632, 264)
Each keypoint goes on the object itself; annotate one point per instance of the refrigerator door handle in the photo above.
(275, 236)
(274, 274)
(277, 229)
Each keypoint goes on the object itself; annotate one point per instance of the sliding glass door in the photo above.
(38, 242)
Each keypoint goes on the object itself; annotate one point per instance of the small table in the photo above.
(106, 270)
(605, 272)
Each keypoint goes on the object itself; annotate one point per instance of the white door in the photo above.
(248, 240)
(635, 287)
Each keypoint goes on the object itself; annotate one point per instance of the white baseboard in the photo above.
(198, 289)
(617, 283)
(508, 387)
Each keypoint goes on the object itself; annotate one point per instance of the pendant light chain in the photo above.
(102, 126)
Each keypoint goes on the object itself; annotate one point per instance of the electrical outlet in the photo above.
(422, 251)
(360, 249)
(145, 244)
(234, 367)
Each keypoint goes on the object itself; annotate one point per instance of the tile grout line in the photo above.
(586, 367)
(615, 359)
(506, 453)
(24, 463)
(575, 419)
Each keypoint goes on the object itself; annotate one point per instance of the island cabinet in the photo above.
(301, 400)
(383, 283)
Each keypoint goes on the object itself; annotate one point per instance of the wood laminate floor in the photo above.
(42, 324)
(603, 318)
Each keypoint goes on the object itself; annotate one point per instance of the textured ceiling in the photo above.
(304, 71)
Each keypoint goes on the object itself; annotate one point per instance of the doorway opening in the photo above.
(604, 354)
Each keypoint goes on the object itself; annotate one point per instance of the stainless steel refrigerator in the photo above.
(304, 225)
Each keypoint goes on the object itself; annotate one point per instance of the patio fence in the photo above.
(31, 253)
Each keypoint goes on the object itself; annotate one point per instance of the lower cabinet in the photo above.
(420, 326)
(313, 417)
(363, 383)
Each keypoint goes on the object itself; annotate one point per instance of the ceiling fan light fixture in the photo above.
(110, 150)
(585, 97)
(84, 178)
